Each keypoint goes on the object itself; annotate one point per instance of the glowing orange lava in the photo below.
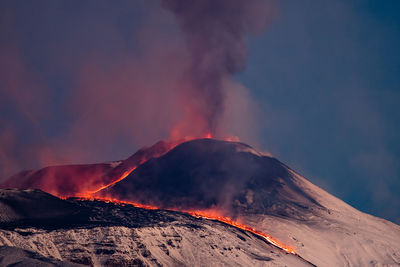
(123, 176)
(213, 216)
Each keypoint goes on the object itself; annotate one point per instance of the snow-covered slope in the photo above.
(17, 257)
(337, 236)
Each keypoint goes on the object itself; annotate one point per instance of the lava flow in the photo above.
(213, 216)
(123, 176)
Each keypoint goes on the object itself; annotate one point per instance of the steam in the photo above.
(215, 34)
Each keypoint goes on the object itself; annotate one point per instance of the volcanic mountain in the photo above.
(172, 185)
(210, 174)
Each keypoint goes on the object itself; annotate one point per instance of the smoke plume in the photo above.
(215, 33)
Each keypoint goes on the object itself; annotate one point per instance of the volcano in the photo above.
(210, 174)
(227, 203)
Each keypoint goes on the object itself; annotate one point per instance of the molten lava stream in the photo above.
(227, 220)
(123, 176)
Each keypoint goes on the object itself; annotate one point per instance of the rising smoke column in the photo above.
(215, 34)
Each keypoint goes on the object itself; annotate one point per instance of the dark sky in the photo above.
(90, 81)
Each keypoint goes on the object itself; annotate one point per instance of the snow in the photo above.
(175, 244)
(339, 236)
